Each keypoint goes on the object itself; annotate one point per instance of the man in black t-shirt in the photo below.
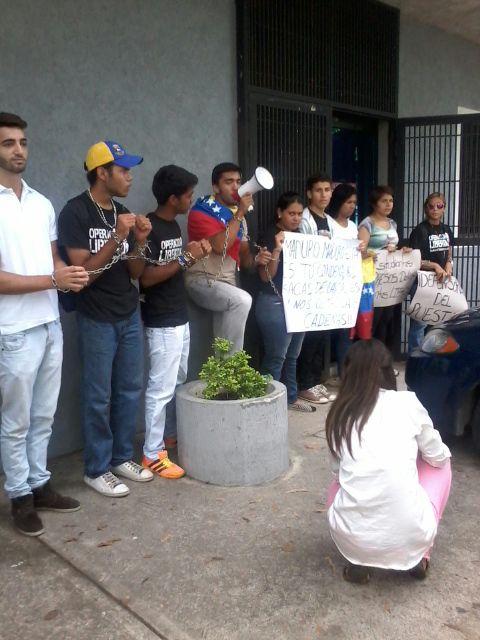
(98, 233)
(164, 311)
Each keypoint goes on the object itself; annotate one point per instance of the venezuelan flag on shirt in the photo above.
(207, 218)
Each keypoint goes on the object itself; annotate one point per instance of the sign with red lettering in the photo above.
(436, 302)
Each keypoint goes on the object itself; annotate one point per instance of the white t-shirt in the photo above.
(27, 227)
(350, 232)
(381, 515)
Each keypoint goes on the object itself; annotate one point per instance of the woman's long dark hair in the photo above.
(368, 368)
(341, 194)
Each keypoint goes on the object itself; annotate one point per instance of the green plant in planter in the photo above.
(230, 377)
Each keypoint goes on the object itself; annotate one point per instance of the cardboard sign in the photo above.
(436, 302)
(322, 282)
(395, 274)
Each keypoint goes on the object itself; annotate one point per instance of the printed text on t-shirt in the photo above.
(170, 250)
(439, 242)
(97, 237)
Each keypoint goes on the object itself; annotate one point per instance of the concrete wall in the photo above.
(158, 76)
(438, 72)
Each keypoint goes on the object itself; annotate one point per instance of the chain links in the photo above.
(212, 281)
(141, 254)
(272, 284)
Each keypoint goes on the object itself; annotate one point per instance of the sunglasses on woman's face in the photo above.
(437, 205)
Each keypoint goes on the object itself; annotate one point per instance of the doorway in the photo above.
(355, 156)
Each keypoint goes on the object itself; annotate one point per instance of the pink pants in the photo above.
(436, 482)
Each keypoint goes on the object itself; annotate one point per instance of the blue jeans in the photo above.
(281, 348)
(416, 330)
(30, 376)
(111, 387)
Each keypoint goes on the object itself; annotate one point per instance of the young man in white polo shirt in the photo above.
(31, 345)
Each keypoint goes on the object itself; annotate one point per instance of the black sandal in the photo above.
(356, 573)
(419, 571)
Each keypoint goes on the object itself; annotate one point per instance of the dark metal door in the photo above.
(442, 154)
(291, 139)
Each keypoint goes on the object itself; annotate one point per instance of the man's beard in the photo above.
(12, 167)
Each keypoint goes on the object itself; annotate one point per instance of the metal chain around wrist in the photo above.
(211, 281)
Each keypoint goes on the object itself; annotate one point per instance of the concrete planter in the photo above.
(232, 442)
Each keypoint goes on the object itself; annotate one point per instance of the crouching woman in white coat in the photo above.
(393, 470)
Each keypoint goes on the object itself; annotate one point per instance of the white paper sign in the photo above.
(395, 274)
(322, 282)
(436, 302)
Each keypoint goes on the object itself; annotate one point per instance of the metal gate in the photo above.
(442, 154)
(291, 139)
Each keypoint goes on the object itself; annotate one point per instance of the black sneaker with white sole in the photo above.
(25, 518)
(45, 498)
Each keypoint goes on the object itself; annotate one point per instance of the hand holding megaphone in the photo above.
(261, 179)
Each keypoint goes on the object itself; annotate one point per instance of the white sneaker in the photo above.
(108, 485)
(133, 471)
(322, 390)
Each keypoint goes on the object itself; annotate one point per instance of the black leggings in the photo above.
(383, 325)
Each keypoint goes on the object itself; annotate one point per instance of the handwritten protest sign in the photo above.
(322, 282)
(395, 274)
(436, 302)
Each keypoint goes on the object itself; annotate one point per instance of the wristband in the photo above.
(186, 260)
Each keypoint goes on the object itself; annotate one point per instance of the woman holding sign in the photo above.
(341, 209)
(378, 232)
(281, 348)
(393, 470)
(434, 239)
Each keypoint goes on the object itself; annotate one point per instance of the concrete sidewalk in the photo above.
(180, 559)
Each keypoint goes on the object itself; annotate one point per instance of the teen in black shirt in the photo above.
(165, 316)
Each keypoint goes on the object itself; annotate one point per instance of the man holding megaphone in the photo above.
(212, 283)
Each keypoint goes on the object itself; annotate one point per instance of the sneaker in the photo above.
(396, 372)
(170, 443)
(133, 471)
(298, 405)
(163, 466)
(321, 390)
(310, 396)
(108, 485)
(46, 499)
(420, 570)
(356, 573)
(25, 518)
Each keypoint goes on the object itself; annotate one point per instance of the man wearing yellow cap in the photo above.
(100, 234)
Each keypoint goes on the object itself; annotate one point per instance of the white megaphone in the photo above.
(261, 179)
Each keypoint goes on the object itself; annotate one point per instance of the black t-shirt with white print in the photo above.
(164, 304)
(433, 241)
(321, 222)
(112, 296)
